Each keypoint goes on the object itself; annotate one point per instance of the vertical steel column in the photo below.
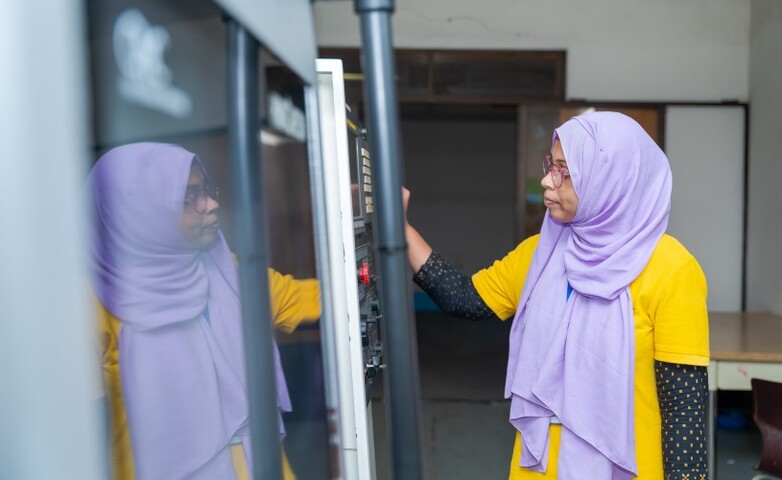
(400, 339)
(252, 251)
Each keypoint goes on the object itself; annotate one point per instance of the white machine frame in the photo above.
(354, 411)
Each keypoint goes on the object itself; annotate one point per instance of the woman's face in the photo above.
(200, 223)
(561, 202)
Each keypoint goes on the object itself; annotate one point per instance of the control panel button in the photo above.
(363, 273)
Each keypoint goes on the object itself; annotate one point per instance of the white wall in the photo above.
(616, 50)
(764, 252)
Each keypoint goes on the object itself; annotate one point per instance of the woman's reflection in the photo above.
(169, 315)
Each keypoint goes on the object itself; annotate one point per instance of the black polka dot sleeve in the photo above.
(451, 290)
(682, 392)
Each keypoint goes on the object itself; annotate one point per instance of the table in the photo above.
(743, 346)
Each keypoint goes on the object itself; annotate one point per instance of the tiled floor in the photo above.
(466, 434)
(737, 453)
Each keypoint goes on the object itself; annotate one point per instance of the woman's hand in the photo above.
(405, 202)
(418, 251)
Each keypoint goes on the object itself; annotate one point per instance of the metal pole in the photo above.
(383, 124)
(252, 252)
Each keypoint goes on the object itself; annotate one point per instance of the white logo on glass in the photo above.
(144, 77)
(287, 117)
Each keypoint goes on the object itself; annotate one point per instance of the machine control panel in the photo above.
(368, 275)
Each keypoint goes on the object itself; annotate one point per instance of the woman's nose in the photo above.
(546, 182)
(211, 205)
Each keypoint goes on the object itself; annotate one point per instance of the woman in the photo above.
(609, 343)
(170, 317)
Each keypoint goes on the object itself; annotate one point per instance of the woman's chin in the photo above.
(560, 217)
(206, 239)
(209, 238)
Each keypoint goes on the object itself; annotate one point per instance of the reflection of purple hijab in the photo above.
(574, 358)
(183, 377)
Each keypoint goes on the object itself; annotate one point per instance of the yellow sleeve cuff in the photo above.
(683, 359)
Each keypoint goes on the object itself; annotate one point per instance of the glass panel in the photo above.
(163, 230)
(287, 192)
(158, 69)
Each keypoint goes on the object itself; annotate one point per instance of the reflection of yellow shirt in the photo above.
(292, 301)
(671, 325)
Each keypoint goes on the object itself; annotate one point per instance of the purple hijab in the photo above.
(574, 358)
(183, 377)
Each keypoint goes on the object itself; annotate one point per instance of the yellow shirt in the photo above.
(671, 325)
(292, 302)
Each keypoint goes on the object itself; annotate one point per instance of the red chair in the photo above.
(767, 397)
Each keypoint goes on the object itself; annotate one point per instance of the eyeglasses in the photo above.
(197, 198)
(558, 173)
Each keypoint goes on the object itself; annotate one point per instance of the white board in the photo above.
(705, 146)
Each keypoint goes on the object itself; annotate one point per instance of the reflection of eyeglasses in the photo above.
(557, 173)
(197, 198)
